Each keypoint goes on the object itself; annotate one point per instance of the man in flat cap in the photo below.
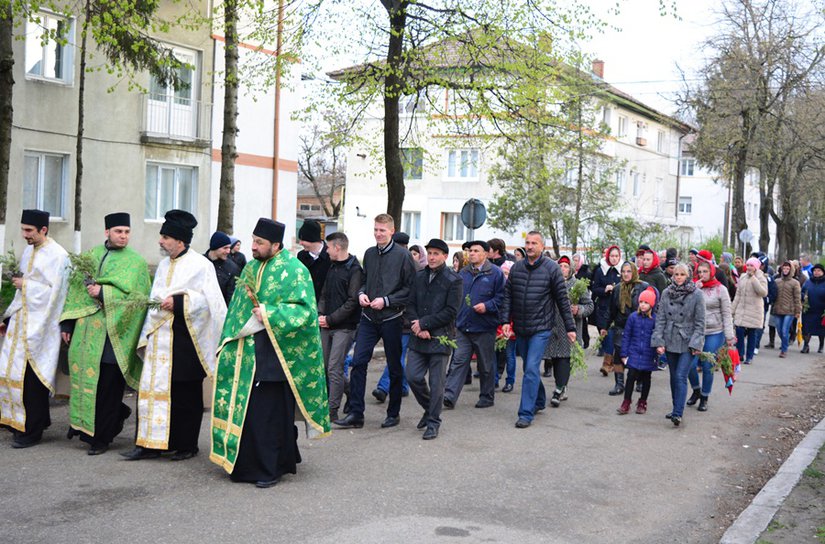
(270, 360)
(477, 323)
(434, 301)
(28, 357)
(220, 245)
(101, 323)
(177, 344)
(314, 256)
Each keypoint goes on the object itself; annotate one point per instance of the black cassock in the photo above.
(269, 441)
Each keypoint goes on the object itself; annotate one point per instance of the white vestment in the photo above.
(33, 333)
(193, 276)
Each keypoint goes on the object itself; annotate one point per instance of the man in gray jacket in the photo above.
(534, 293)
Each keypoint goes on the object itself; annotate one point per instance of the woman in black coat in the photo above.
(605, 276)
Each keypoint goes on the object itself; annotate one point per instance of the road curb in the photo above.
(753, 521)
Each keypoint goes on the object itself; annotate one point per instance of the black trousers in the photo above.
(36, 404)
(186, 415)
(561, 371)
(110, 411)
(269, 441)
(634, 375)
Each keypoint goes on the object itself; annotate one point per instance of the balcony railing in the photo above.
(173, 118)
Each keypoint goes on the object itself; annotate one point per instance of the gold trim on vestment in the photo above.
(194, 337)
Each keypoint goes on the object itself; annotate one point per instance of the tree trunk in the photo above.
(393, 87)
(738, 220)
(6, 109)
(81, 112)
(574, 240)
(765, 206)
(226, 199)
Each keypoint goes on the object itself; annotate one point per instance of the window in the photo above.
(661, 142)
(169, 187)
(641, 133)
(413, 161)
(172, 111)
(48, 54)
(453, 228)
(687, 166)
(44, 182)
(685, 204)
(622, 132)
(309, 207)
(620, 181)
(606, 115)
(636, 183)
(462, 164)
(411, 224)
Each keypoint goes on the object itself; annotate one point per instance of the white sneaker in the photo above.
(756, 351)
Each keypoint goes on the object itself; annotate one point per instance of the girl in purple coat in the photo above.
(637, 354)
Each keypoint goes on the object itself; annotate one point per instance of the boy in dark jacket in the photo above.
(637, 353)
(433, 305)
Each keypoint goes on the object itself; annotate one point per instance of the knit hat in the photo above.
(219, 240)
(754, 262)
(401, 238)
(564, 259)
(706, 256)
(310, 231)
(179, 225)
(649, 296)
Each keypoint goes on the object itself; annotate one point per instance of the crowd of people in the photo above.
(291, 337)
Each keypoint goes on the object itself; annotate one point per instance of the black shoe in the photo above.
(448, 404)
(669, 415)
(522, 424)
(72, 433)
(422, 422)
(555, 400)
(770, 346)
(98, 450)
(676, 420)
(183, 455)
(264, 484)
(806, 349)
(694, 397)
(350, 422)
(346, 409)
(484, 403)
(618, 389)
(391, 421)
(379, 395)
(19, 445)
(430, 433)
(703, 404)
(507, 388)
(547, 373)
(139, 453)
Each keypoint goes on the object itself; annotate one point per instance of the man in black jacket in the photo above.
(431, 311)
(338, 314)
(536, 290)
(225, 268)
(388, 274)
(314, 255)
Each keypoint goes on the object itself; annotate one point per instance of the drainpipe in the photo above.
(276, 136)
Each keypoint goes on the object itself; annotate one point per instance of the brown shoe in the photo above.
(782, 355)
(607, 365)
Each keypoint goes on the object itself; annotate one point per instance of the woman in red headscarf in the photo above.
(605, 277)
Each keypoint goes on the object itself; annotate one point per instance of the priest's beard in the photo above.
(163, 252)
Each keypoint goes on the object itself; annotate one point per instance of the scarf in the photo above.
(626, 289)
(681, 291)
(712, 282)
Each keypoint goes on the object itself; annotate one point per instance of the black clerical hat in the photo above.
(310, 231)
(35, 218)
(270, 230)
(117, 219)
(179, 225)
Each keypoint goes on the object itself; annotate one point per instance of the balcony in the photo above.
(175, 120)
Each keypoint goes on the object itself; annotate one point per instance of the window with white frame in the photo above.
(462, 164)
(621, 182)
(413, 160)
(48, 53)
(637, 183)
(687, 166)
(44, 182)
(169, 187)
(411, 224)
(661, 141)
(172, 109)
(606, 111)
(686, 204)
(622, 129)
(452, 227)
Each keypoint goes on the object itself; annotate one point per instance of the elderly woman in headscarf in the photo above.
(624, 300)
(680, 334)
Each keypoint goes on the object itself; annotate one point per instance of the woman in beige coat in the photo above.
(748, 308)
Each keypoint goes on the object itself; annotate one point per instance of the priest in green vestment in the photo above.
(101, 322)
(270, 367)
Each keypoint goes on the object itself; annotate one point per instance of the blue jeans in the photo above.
(365, 339)
(712, 344)
(533, 396)
(784, 323)
(384, 381)
(743, 334)
(761, 331)
(679, 364)
(510, 355)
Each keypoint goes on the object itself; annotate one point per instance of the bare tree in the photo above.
(322, 162)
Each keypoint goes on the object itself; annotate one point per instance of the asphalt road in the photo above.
(581, 473)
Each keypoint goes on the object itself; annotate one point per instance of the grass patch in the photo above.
(820, 533)
(812, 472)
(775, 525)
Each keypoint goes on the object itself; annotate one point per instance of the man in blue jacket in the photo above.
(476, 325)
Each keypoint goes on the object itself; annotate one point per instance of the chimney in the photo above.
(598, 68)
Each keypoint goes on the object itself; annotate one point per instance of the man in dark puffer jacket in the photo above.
(534, 292)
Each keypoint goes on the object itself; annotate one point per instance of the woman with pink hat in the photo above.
(748, 308)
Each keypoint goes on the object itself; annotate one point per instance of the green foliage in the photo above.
(83, 268)
(578, 364)
(7, 292)
(10, 264)
(714, 245)
(578, 290)
(629, 234)
(447, 341)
